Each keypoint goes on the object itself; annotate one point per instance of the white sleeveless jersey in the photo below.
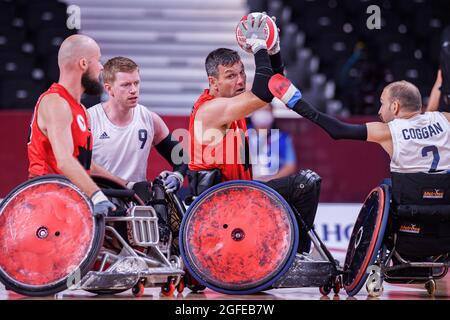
(123, 151)
(421, 144)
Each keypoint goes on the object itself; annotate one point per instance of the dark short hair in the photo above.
(221, 56)
(407, 95)
(117, 64)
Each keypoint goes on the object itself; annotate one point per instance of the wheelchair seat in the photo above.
(421, 195)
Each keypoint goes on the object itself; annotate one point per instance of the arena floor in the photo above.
(391, 292)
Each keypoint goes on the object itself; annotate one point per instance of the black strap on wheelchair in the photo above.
(118, 193)
(200, 181)
(154, 202)
(118, 213)
(436, 212)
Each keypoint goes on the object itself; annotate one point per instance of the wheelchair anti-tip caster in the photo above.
(373, 291)
(138, 289)
(181, 286)
(325, 290)
(334, 284)
(337, 285)
(168, 288)
(431, 287)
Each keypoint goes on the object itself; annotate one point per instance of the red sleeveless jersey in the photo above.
(40, 153)
(231, 154)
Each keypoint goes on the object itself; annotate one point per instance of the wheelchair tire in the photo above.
(49, 238)
(366, 240)
(238, 237)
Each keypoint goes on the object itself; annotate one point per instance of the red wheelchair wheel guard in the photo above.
(47, 234)
(239, 237)
(366, 239)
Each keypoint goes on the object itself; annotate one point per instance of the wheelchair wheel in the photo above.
(238, 237)
(366, 239)
(49, 238)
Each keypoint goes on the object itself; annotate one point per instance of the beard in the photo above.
(91, 86)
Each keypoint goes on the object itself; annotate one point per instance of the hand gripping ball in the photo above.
(271, 32)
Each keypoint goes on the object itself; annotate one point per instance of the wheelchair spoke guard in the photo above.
(366, 239)
(49, 238)
(238, 237)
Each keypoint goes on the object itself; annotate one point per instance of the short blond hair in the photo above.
(117, 64)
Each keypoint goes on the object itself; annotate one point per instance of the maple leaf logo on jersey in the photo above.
(104, 136)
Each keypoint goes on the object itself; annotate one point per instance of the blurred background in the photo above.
(329, 52)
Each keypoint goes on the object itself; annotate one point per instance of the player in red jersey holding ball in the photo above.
(218, 132)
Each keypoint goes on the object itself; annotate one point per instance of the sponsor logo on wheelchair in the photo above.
(410, 228)
(433, 194)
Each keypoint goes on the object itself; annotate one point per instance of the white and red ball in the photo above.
(271, 32)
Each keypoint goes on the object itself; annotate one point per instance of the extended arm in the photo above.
(283, 89)
(433, 104)
(376, 132)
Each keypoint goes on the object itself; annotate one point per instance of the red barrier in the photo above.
(349, 169)
(14, 131)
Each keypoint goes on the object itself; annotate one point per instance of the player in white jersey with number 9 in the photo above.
(125, 131)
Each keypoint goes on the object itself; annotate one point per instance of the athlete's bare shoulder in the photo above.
(52, 99)
(378, 132)
(52, 109)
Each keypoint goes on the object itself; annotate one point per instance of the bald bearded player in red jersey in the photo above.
(218, 132)
(60, 139)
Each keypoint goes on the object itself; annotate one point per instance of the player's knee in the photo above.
(306, 182)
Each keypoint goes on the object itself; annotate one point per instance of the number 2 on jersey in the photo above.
(142, 137)
(436, 157)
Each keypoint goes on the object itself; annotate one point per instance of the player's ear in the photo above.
(396, 107)
(83, 63)
(213, 83)
(109, 89)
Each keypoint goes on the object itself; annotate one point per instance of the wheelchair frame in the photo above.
(132, 268)
(386, 257)
(153, 265)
